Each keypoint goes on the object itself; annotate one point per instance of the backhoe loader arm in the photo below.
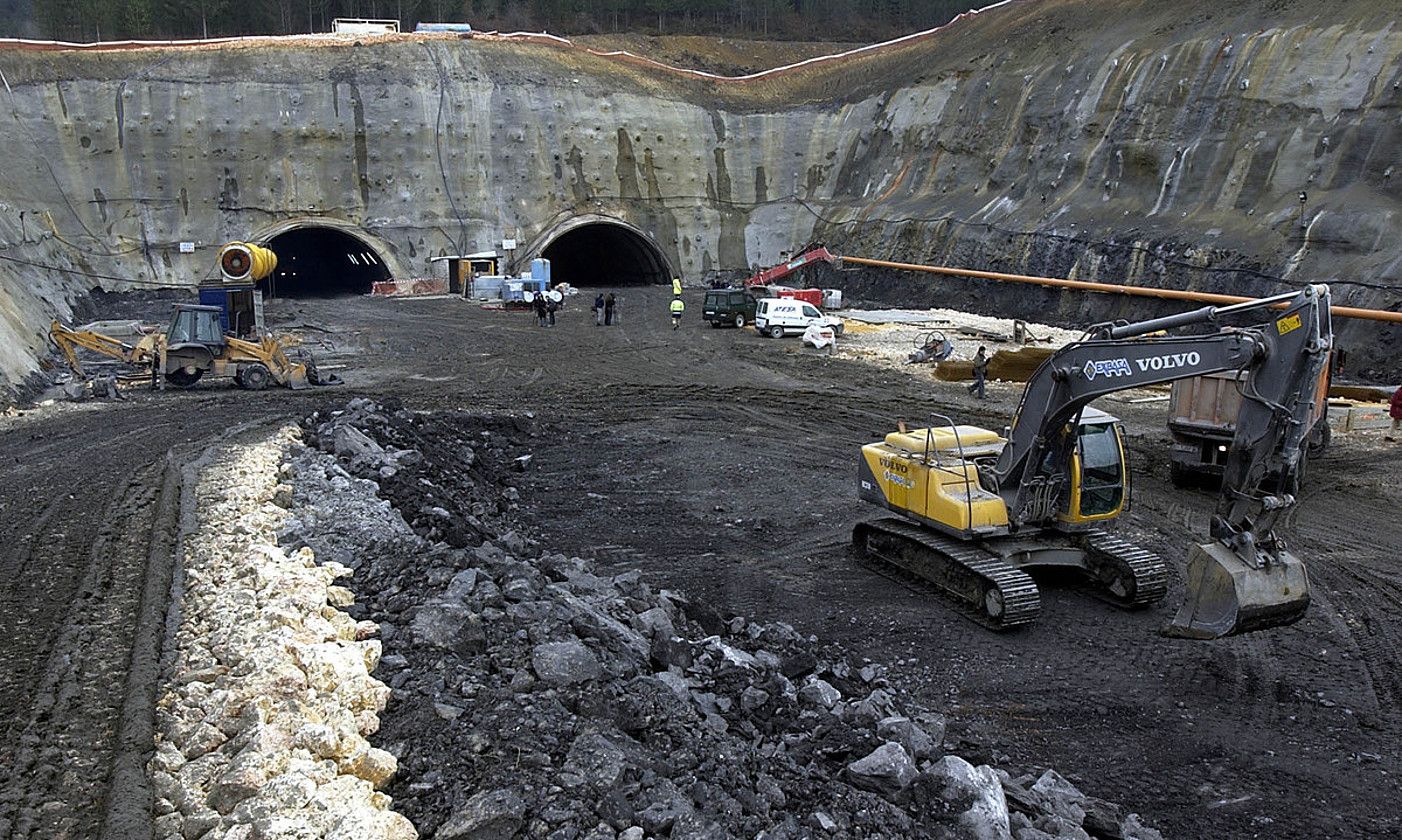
(69, 339)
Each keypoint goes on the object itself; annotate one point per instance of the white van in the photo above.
(778, 317)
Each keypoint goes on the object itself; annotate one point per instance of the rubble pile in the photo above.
(261, 731)
(534, 697)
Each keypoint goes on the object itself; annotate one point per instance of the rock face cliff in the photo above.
(1124, 140)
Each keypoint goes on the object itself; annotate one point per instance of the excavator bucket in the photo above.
(1227, 595)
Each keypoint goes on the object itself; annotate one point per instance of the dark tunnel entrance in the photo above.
(320, 262)
(605, 254)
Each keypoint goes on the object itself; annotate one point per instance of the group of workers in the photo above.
(545, 307)
(606, 310)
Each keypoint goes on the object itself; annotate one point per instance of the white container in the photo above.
(832, 298)
(487, 288)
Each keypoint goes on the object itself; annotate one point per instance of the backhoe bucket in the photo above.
(1227, 595)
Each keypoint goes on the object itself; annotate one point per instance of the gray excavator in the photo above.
(977, 509)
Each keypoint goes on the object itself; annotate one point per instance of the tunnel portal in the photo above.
(316, 261)
(597, 254)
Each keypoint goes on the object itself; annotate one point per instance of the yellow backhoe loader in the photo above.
(978, 509)
(194, 345)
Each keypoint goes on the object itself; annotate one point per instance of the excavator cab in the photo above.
(1100, 475)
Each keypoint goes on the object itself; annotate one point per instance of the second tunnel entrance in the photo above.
(597, 254)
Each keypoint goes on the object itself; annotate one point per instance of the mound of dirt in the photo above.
(534, 697)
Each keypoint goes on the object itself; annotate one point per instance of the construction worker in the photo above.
(676, 286)
(538, 304)
(678, 307)
(980, 372)
(1394, 410)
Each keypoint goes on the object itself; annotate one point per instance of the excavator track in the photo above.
(985, 587)
(1125, 574)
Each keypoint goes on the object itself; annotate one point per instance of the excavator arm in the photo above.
(1244, 578)
(769, 275)
(1038, 449)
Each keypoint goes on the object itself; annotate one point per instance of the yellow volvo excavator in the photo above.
(977, 509)
(193, 345)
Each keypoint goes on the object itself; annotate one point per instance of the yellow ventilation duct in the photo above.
(244, 262)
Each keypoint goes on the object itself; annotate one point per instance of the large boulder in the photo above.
(349, 442)
(592, 760)
(565, 663)
(1060, 797)
(488, 815)
(450, 626)
(820, 693)
(908, 734)
(888, 770)
(986, 815)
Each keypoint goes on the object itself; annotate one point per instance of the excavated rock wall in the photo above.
(1120, 139)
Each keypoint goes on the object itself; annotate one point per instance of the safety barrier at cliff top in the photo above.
(327, 38)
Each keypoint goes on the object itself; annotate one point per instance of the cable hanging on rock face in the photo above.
(438, 146)
(148, 284)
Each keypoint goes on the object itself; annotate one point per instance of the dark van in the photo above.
(729, 306)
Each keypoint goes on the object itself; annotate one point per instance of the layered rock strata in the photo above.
(1124, 140)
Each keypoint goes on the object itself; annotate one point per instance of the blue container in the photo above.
(540, 270)
(216, 296)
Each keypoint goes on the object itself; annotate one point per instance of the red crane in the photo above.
(769, 275)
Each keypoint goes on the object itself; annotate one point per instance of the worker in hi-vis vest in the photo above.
(677, 309)
(676, 285)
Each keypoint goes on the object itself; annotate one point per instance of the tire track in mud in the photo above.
(87, 503)
(56, 787)
(1260, 670)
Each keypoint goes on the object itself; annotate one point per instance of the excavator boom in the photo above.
(1244, 578)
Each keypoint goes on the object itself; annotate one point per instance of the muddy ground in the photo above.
(721, 464)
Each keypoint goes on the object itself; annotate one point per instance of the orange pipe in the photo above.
(1110, 288)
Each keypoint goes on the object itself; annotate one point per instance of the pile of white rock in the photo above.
(267, 698)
